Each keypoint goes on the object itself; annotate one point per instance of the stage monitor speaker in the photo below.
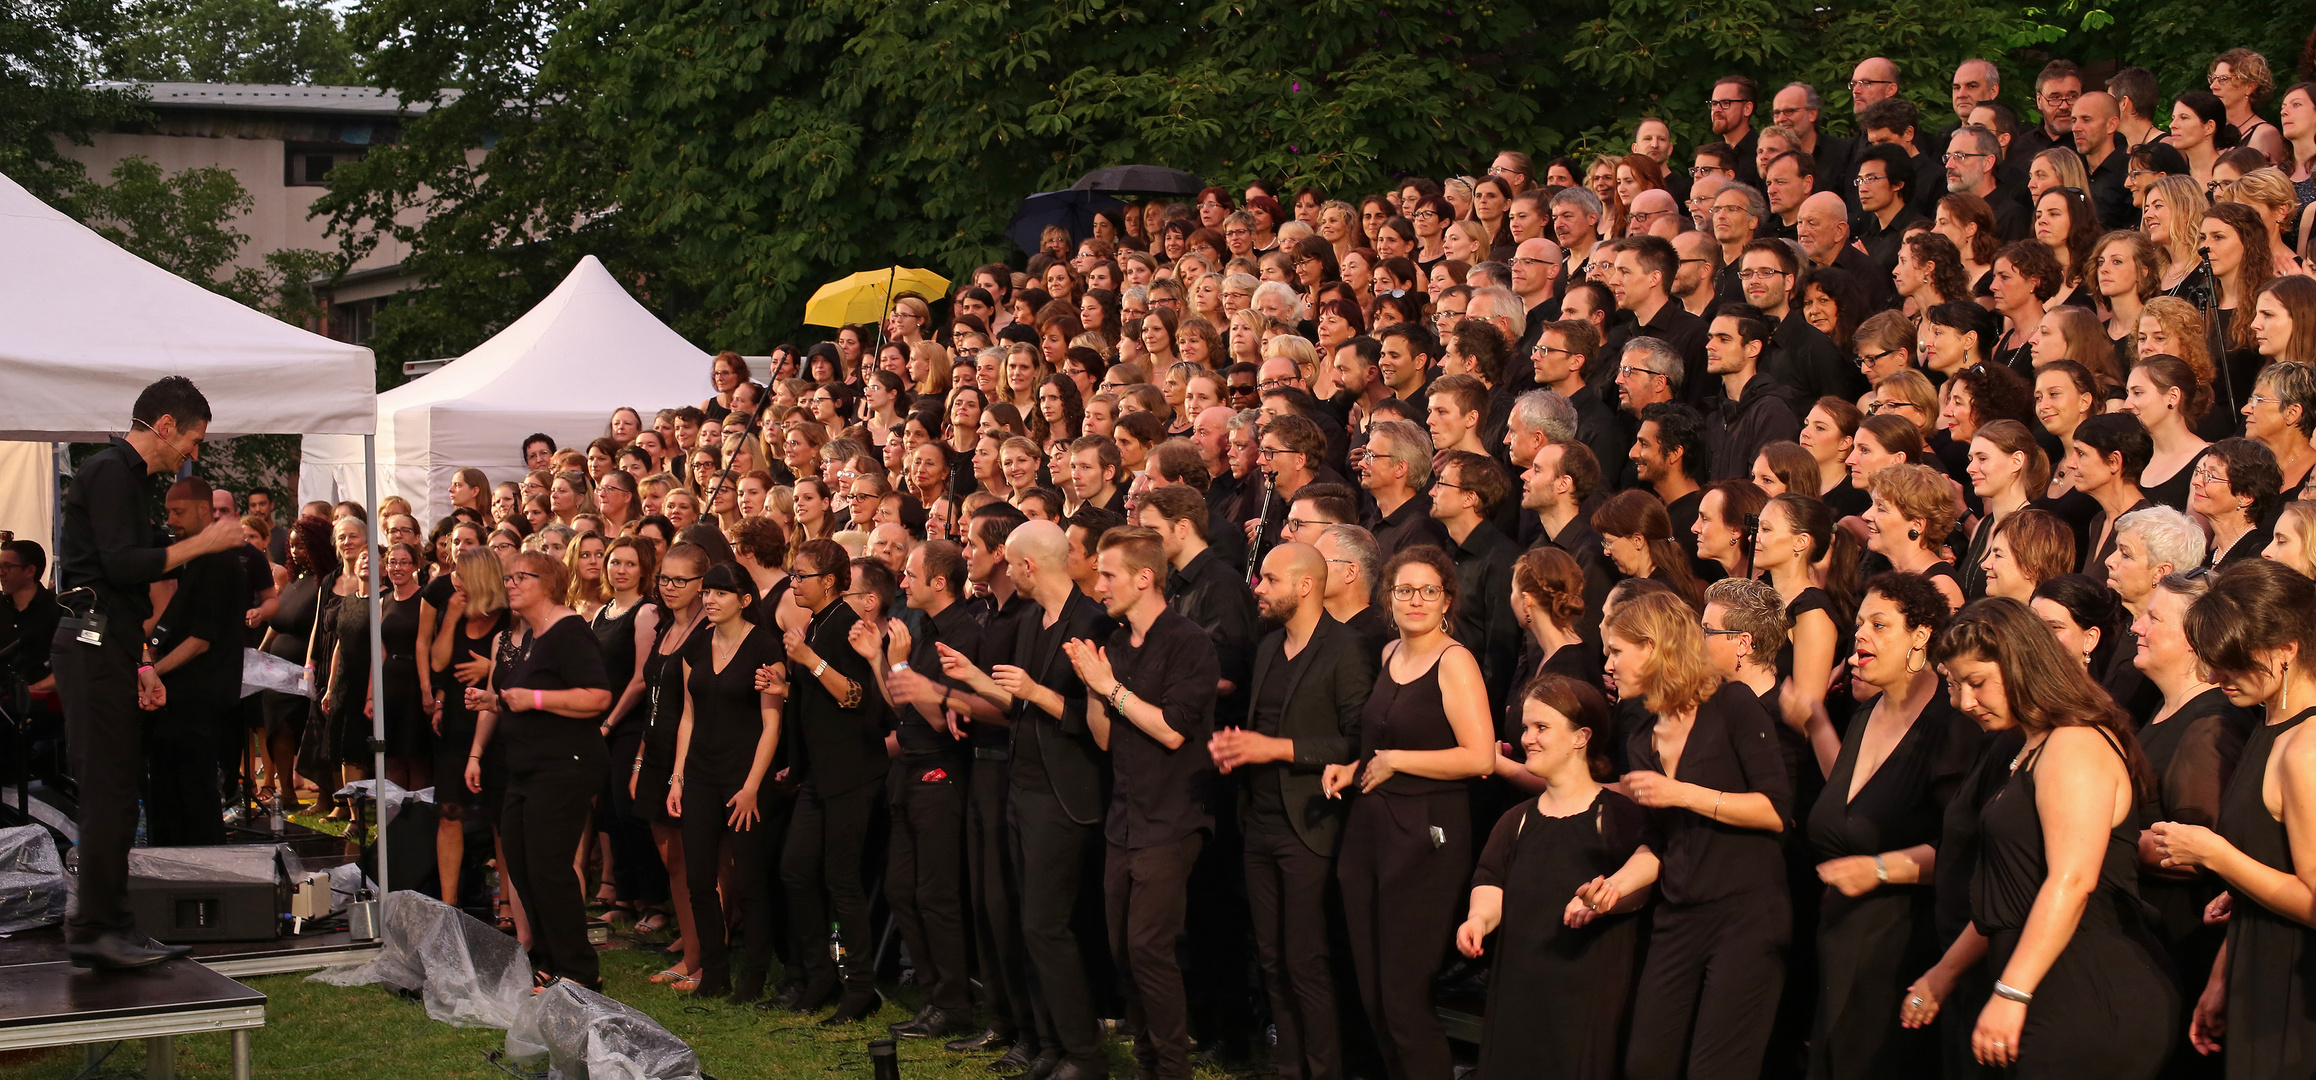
(197, 894)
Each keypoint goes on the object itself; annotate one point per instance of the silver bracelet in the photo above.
(2008, 992)
(817, 670)
(1881, 870)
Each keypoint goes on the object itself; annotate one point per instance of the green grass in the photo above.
(317, 1030)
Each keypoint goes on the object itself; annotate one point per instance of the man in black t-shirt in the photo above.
(198, 644)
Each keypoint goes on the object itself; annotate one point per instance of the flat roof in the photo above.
(262, 97)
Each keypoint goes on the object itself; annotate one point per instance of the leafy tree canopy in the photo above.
(232, 41)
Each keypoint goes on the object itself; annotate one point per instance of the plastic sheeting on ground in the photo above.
(472, 975)
(587, 1036)
(32, 882)
(396, 796)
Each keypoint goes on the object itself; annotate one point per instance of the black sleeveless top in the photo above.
(727, 712)
(616, 634)
(293, 619)
(2012, 864)
(1408, 716)
(663, 695)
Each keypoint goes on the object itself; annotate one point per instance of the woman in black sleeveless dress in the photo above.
(1875, 830)
(2259, 1003)
(1556, 886)
(409, 735)
(1715, 783)
(473, 614)
(2081, 986)
(677, 618)
(635, 874)
(1407, 846)
(293, 635)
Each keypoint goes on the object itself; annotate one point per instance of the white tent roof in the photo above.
(85, 325)
(562, 368)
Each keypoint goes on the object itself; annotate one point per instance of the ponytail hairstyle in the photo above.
(1638, 513)
(1808, 515)
(1585, 709)
(2170, 373)
(1551, 579)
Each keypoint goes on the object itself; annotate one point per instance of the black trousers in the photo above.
(996, 900)
(1146, 892)
(823, 867)
(1219, 952)
(105, 744)
(1402, 898)
(1051, 851)
(922, 867)
(708, 834)
(1708, 994)
(1286, 890)
(540, 823)
(636, 872)
(183, 803)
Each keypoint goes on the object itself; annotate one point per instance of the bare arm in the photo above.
(646, 639)
(1465, 698)
(2075, 793)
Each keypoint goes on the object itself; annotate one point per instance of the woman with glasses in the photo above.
(2241, 80)
(1406, 850)
(2235, 490)
(548, 689)
(911, 321)
(1709, 771)
(663, 635)
(2281, 415)
(1430, 218)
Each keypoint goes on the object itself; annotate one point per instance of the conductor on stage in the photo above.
(104, 665)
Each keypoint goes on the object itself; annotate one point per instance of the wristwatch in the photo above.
(1881, 870)
(822, 666)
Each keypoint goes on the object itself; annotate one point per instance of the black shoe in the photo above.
(1045, 1064)
(992, 1039)
(120, 950)
(934, 1023)
(787, 998)
(857, 1005)
(1016, 1061)
(896, 1026)
(813, 995)
(1078, 1070)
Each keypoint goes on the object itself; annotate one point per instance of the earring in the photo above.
(1912, 667)
(1913, 534)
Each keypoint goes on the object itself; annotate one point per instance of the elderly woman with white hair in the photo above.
(2149, 544)
(1280, 301)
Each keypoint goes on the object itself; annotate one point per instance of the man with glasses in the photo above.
(1732, 122)
(1649, 373)
(1800, 355)
(1972, 156)
(1885, 187)
(1700, 202)
(1641, 279)
(1317, 506)
(1469, 488)
(1699, 273)
(1797, 107)
(1739, 212)
(1396, 471)
(2097, 138)
(1654, 213)
(2058, 86)
(1898, 123)
(1874, 80)
(1536, 278)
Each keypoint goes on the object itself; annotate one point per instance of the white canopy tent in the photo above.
(561, 368)
(86, 326)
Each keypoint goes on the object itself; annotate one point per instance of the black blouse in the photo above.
(727, 712)
(1732, 747)
(565, 657)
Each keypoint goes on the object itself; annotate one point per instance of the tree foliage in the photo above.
(725, 159)
(232, 41)
(46, 66)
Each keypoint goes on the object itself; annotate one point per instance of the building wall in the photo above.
(277, 220)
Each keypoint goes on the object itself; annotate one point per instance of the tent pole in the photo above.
(377, 667)
(886, 315)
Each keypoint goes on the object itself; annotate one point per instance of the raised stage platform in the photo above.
(52, 1003)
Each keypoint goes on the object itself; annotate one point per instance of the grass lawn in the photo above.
(318, 1030)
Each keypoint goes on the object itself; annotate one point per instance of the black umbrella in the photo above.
(1140, 180)
(1073, 210)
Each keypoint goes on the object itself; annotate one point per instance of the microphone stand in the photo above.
(2208, 305)
(1254, 548)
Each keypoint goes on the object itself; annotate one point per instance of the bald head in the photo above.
(1874, 80)
(2096, 119)
(1040, 549)
(1975, 81)
(1656, 207)
(1295, 561)
(1822, 226)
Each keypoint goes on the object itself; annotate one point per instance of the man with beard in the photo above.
(1311, 681)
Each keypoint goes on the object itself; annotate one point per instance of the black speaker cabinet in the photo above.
(196, 894)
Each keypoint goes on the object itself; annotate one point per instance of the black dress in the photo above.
(409, 734)
(2107, 1007)
(456, 741)
(663, 707)
(293, 629)
(348, 731)
(1872, 946)
(2193, 754)
(1406, 854)
(2271, 973)
(727, 723)
(2172, 492)
(1557, 994)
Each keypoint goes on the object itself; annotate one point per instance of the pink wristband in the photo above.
(539, 700)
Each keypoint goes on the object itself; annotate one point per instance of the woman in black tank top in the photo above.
(678, 617)
(1407, 846)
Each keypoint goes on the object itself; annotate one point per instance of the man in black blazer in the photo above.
(1059, 790)
(1310, 684)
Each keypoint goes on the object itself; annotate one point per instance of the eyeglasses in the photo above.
(1891, 406)
(1729, 103)
(1523, 260)
(2062, 99)
(2222, 80)
(667, 581)
(1868, 178)
(1954, 156)
(1628, 371)
(2205, 477)
(1542, 349)
(1714, 631)
(520, 575)
(1269, 452)
(1858, 84)
(1866, 361)
(807, 577)
(1274, 384)
(1699, 172)
(1296, 525)
(1405, 593)
(1423, 215)
(1759, 275)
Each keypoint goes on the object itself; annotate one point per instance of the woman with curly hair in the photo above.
(1912, 512)
(1929, 272)
(2170, 326)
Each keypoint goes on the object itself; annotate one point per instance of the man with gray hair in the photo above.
(1502, 309)
(2149, 543)
(1353, 561)
(1396, 472)
(1565, 353)
(1490, 275)
(1649, 372)
(1739, 211)
(1641, 279)
(1797, 107)
(1972, 156)
(1576, 217)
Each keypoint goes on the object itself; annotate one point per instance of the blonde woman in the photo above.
(583, 557)
(2294, 541)
(2057, 167)
(2270, 193)
(2171, 215)
(2125, 273)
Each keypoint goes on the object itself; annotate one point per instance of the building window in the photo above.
(309, 164)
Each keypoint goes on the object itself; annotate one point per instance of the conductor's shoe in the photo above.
(118, 950)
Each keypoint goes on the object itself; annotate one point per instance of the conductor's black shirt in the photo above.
(109, 544)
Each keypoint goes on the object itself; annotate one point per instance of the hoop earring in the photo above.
(1913, 668)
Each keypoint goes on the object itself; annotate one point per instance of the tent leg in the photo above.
(377, 666)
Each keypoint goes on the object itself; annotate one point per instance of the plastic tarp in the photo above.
(243, 865)
(396, 796)
(472, 975)
(32, 882)
(561, 368)
(85, 326)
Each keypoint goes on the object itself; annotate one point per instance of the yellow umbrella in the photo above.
(865, 297)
